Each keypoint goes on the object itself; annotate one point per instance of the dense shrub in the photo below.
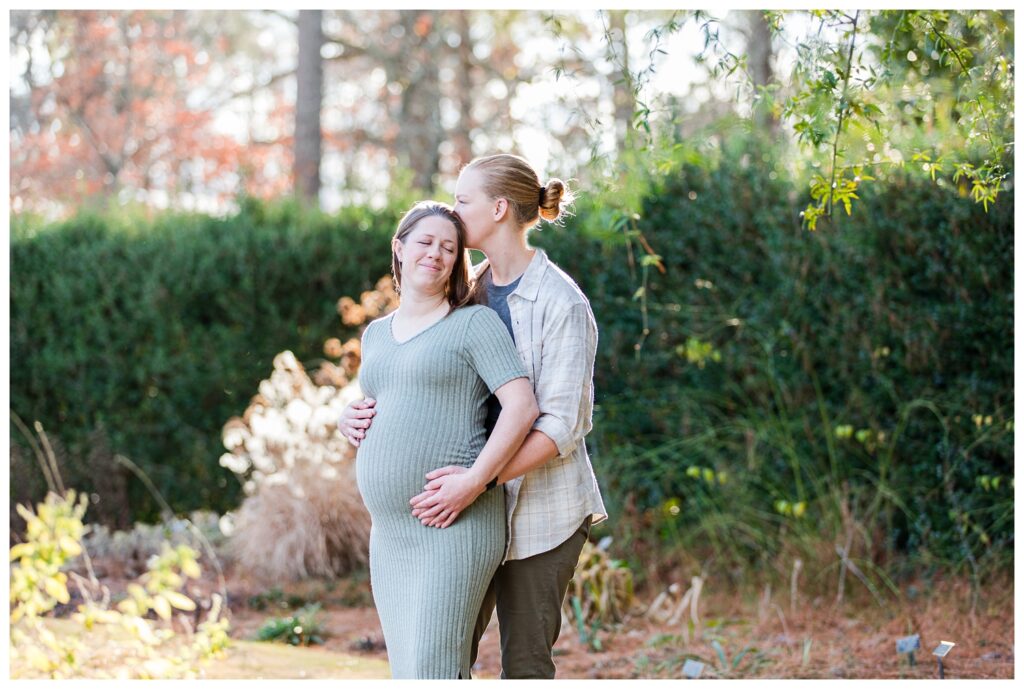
(155, 332)
(853, 383)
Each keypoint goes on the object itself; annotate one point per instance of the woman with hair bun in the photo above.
(552, 497)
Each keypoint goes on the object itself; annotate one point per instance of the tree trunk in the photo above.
(308, 100)
(420, 130)
(462, 140)
(759, 48)
(622, 96)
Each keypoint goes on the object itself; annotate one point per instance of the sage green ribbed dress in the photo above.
(431, 393)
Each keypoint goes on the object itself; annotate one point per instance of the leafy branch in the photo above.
(842, 113)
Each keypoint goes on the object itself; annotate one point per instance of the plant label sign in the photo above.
(692, 669)
(943, 648)
(908, 644)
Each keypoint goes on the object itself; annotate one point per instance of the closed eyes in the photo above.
(443, 246)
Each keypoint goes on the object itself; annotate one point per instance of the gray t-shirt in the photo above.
(497, 299)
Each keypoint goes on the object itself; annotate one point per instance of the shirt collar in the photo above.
(529, 282)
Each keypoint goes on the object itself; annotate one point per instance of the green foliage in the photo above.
(888, 87)
(152, 332)
(276, 598)
(851, 365)
(145, 650)
(869, 90)
(304, 628)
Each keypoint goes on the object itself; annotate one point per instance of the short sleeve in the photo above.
(368, 343)
(490, 351)
(371, 334)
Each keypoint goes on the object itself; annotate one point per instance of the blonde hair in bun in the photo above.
(555, 198)
(510, 177)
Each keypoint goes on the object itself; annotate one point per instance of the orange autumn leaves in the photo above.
(117, 112)
(379, 301)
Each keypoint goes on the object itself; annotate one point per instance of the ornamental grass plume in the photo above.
(302, 515)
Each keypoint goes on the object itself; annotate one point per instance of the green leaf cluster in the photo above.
(304, 628)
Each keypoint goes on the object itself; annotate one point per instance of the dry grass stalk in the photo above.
(764, 604)
(654, 611)
(794, 579)
(690, 601)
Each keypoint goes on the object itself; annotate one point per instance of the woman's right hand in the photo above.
(356, 418)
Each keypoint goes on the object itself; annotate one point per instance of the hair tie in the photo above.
(540, 201)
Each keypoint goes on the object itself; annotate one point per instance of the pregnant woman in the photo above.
(553, 496)
(431, 365)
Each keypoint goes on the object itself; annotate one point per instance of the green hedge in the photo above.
(157, 331)
(897, 321)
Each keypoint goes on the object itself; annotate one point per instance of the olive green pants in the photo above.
(528, 595)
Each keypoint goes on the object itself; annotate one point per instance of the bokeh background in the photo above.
(795, 229)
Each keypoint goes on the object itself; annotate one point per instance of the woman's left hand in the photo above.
(450, 490)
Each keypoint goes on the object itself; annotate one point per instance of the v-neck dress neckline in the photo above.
(399, 343)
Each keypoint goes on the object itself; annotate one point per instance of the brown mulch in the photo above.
(813, 639)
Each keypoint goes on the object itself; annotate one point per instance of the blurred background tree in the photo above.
(157, 108)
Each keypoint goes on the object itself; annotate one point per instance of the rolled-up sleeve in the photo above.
(564, 385)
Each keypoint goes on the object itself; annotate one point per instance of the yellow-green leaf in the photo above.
(25, 513)
(190, 568)
(37, 659)
(162, 607)
(129, 607)
(70, 546)
(57, 590)
(179, 600)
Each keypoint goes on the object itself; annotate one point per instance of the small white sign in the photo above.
(692, 668)
(943, 648)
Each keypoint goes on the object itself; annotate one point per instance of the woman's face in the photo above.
(428, 254)
(474, 206)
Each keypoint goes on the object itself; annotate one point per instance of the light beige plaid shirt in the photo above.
(556, 336)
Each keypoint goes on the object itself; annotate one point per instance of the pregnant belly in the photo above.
(403, 445)
(387, 482)
(389, 474)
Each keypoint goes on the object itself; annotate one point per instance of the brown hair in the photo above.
(511, 177)
(457, 291)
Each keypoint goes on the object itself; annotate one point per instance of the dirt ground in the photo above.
(739, 636)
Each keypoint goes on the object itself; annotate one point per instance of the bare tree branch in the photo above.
(246, 92)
